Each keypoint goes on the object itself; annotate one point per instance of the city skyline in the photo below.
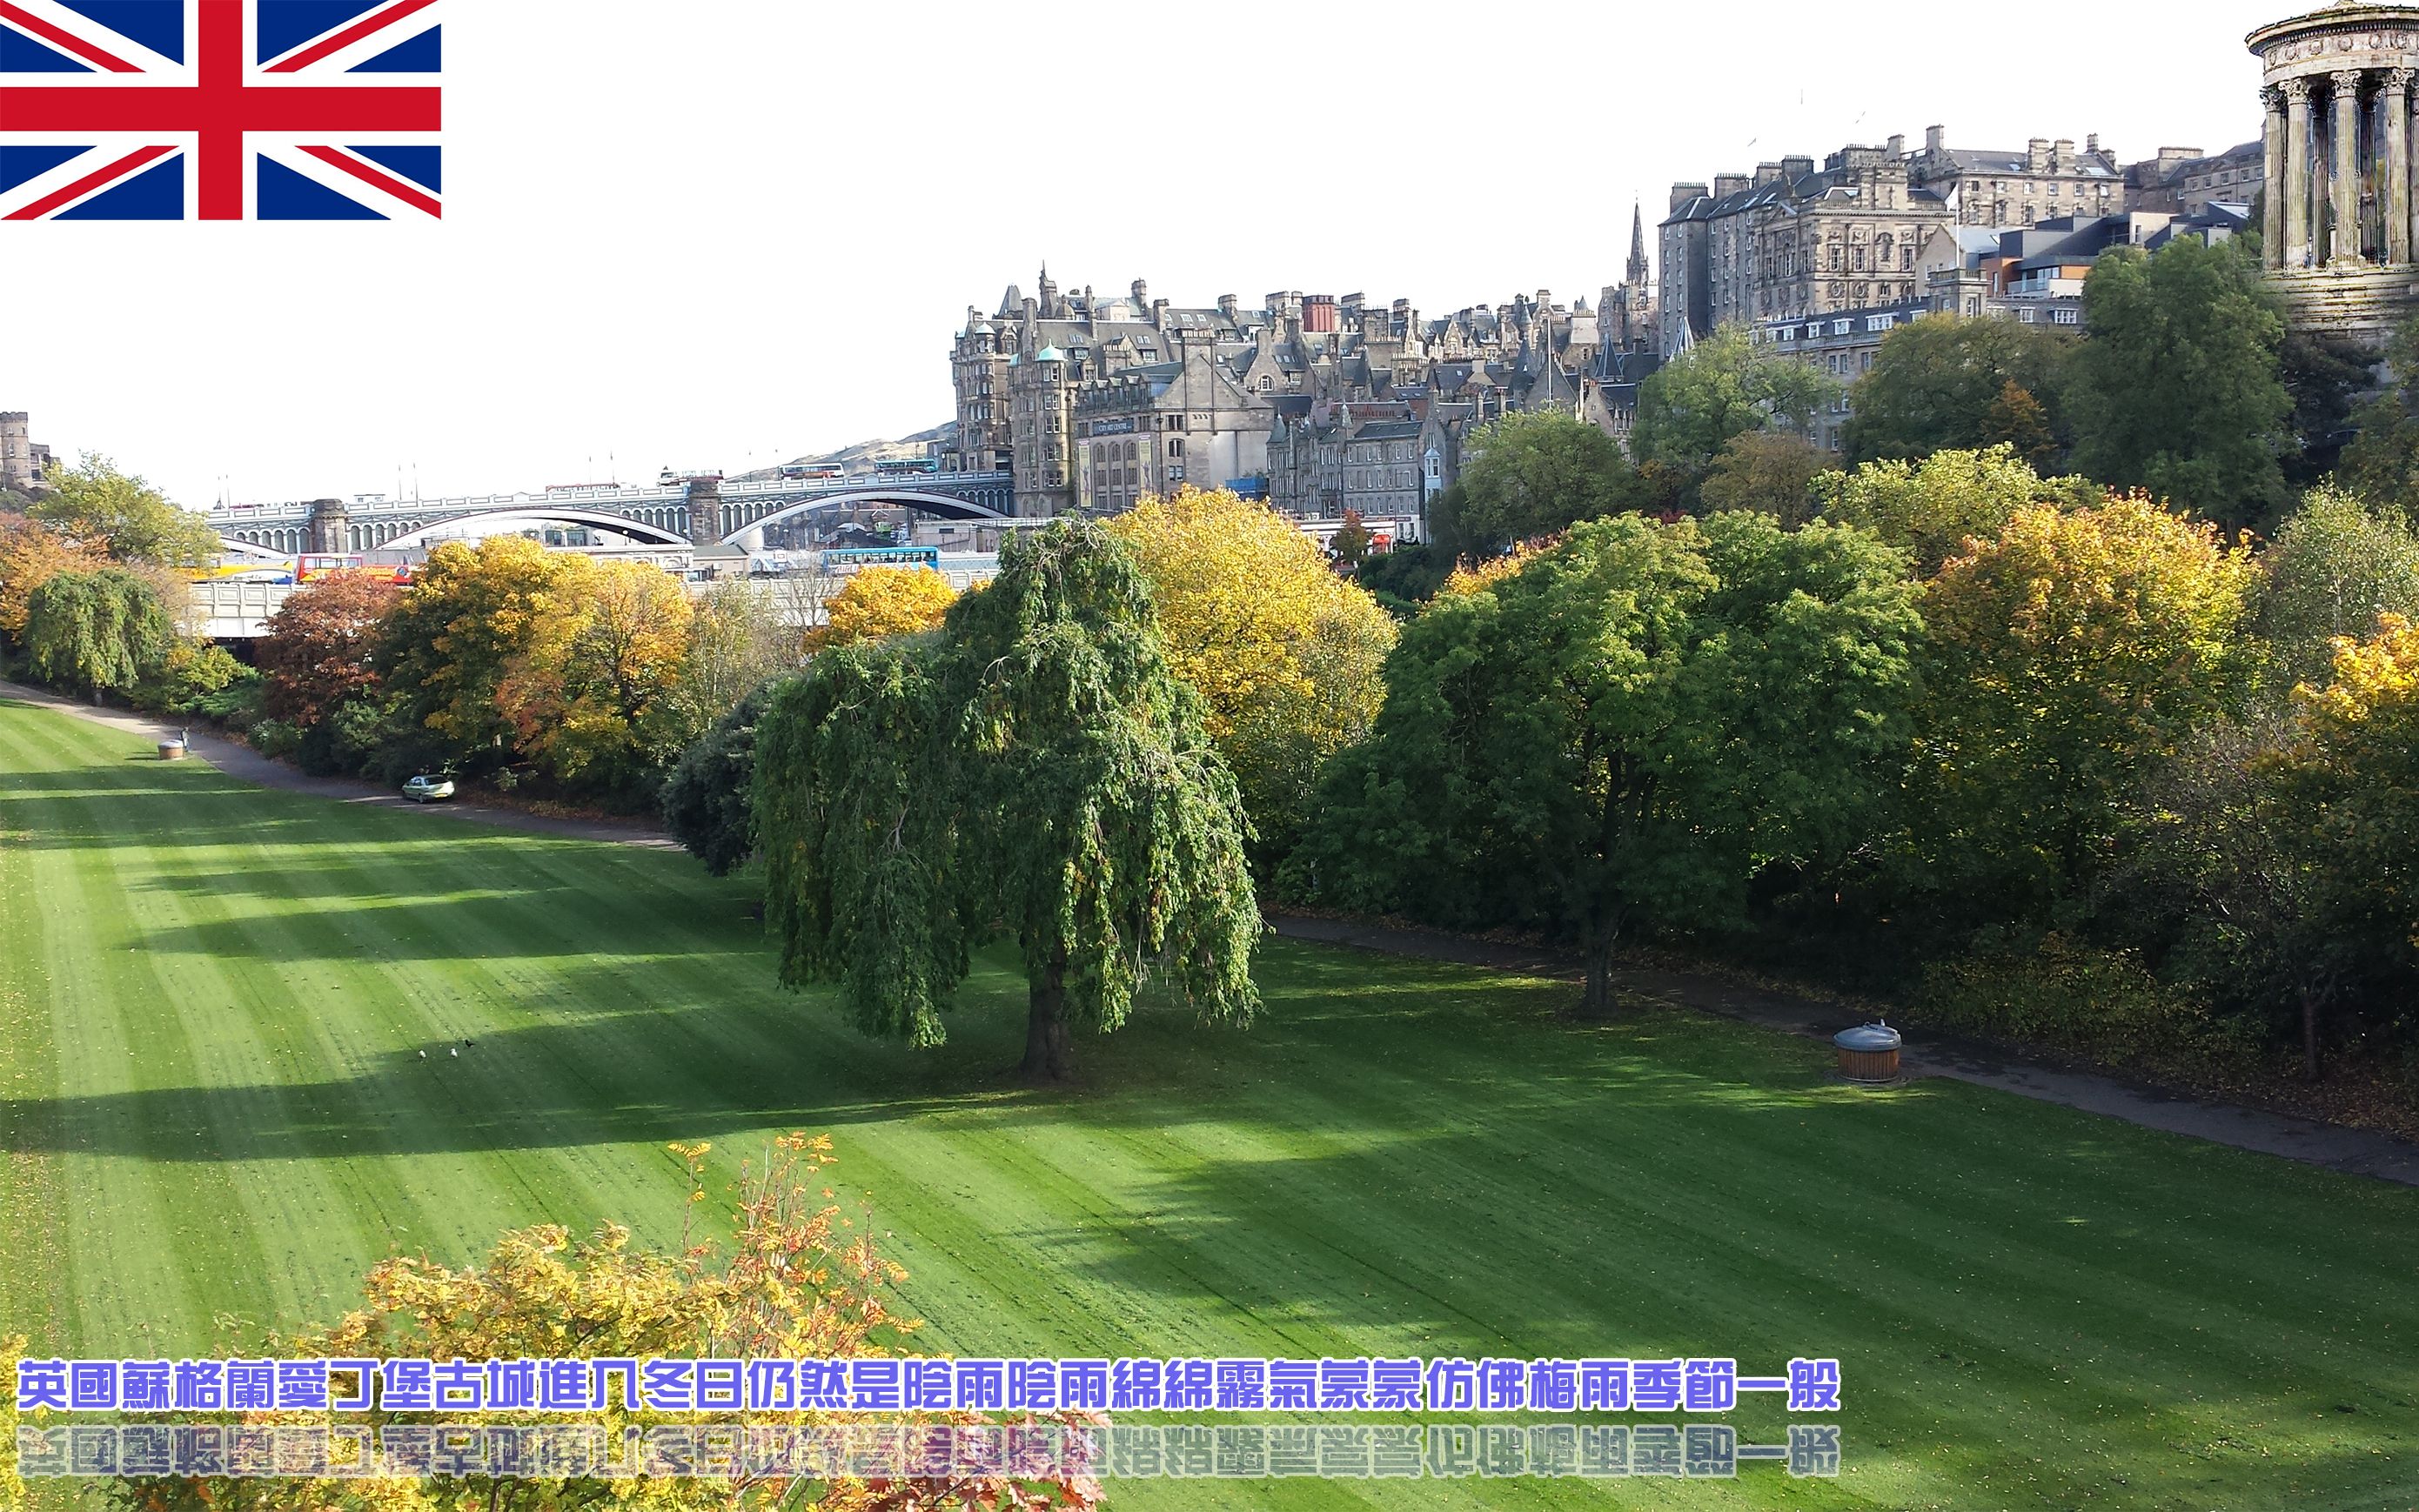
(690, 280)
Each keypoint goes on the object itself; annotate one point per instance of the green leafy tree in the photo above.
(2178, 388)
(2325, 375)
(1534, 472)
(2381, 460)
(98, 632)
(710, 798)
(1719, 389)
(1625, 732)
(191, 678)
(1405, 578)
(2224, 844)
(1031, 771)
(737, 642)
(1939, 383)
(1935, 506)
(2336, 565)
(98, 507)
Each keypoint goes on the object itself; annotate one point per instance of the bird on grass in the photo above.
(424, 1054)
(456, 1054)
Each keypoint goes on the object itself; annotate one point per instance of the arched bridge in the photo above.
(690, 514)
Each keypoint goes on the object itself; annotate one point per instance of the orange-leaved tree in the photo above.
(317, 653)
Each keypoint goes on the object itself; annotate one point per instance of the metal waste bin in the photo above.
(1868, 1054)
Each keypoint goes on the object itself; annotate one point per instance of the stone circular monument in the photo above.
(2339, 229)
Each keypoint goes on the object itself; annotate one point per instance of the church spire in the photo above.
(1638, 270)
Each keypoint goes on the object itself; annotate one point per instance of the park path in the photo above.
(2357, 1151)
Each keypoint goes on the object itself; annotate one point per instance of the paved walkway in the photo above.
(237, 760)
(2358, 1152)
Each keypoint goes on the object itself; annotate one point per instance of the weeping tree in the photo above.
(97, 631)
(1029, 771)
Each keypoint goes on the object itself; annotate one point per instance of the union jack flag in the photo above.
(221, 110)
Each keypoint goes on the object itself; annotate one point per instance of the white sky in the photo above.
(727, 231)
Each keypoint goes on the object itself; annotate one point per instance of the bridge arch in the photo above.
(940, 505)
(637, 530)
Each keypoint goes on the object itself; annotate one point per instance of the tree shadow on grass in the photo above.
(703, 1044)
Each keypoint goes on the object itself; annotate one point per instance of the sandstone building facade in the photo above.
(1318, 402)
(23, 459)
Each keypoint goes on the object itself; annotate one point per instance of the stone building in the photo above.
(1793, 241)
(2180, 181)
(1042, 378)
(23, 459)
(1152, 429)
(2340, 234)
(1384, 459)
(1319, 402)
(2001, 187)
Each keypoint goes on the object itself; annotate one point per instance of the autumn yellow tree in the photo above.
(799, 1280)
(590, 693)
(1285, 654)
(2067, 653)
(2353, 776)
(469, 613)
(876, 602)
(1469, 578)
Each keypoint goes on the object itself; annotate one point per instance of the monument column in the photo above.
(2397, 165)
(2297, 172)
(2271, 225)
(2345, 180)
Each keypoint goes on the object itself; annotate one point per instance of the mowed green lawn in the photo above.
(214, 999)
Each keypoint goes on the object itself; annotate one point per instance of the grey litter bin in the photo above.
(1868, 1054)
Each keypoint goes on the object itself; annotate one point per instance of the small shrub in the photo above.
(2057, 993)
(346, 739)
(276, 738)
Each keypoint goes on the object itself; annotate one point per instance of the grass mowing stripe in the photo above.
(1402, 1155)
(37, 1292)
